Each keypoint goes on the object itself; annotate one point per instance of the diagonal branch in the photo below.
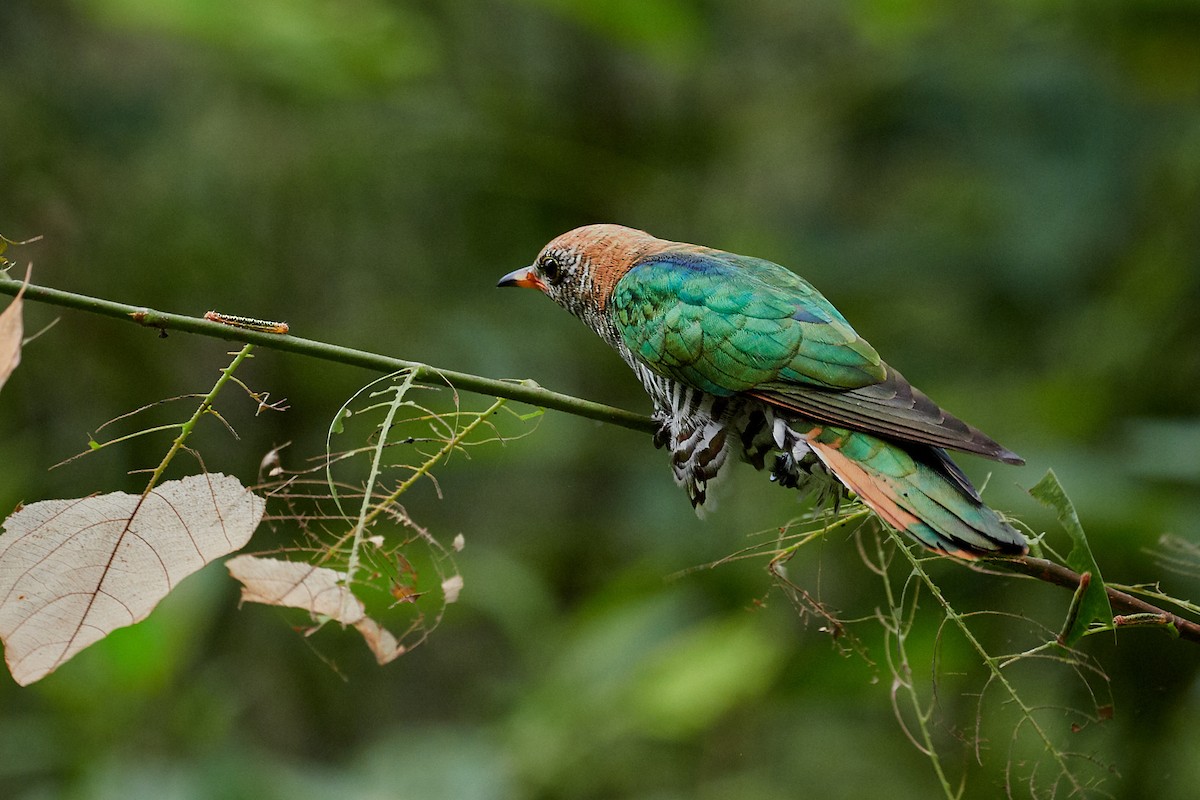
(521, 391)
(524, 392)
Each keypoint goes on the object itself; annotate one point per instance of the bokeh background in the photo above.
(1002, 195)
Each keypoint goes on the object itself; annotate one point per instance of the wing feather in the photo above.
(729, 324)
(892, 408)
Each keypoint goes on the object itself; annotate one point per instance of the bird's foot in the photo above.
(786, 471)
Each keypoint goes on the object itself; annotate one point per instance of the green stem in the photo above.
(988, 660)
(421, 471)
(520, 391)
(369, 490)
(902, 672)
(185, 430)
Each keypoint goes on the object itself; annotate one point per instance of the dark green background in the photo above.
(1004, 197)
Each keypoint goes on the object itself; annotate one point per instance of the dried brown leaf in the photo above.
(73, 571)
(12, 331)
(381, 641)
(318, 590)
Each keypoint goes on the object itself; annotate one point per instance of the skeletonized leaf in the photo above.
(318, 590)
(11, 333)
(452, 588)
(73, 571)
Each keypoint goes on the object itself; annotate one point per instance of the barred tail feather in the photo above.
(912, 496)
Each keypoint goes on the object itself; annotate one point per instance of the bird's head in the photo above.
(579, 269)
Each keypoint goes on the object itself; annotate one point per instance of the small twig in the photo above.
(185, 430)
(1049, 572)
(993, 665)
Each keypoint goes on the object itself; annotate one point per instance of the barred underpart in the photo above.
(705, 433)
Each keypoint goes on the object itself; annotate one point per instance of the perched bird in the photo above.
(743, 358)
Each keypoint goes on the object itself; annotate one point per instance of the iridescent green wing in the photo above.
(728, 324)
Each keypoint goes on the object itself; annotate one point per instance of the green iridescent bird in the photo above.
(743, 358)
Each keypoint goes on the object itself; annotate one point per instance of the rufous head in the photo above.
(579, 269)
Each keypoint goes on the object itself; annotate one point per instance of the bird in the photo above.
(744, 359)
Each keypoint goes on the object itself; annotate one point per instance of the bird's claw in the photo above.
(786, 471)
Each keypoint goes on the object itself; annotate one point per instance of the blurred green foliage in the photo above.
(1003, 196)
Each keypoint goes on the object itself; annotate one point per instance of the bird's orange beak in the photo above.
(525, 277)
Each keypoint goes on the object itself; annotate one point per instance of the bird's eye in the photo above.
(552, 269)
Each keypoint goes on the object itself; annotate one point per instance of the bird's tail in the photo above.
(914, 496)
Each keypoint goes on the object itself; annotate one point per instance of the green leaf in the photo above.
(1092, 605)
